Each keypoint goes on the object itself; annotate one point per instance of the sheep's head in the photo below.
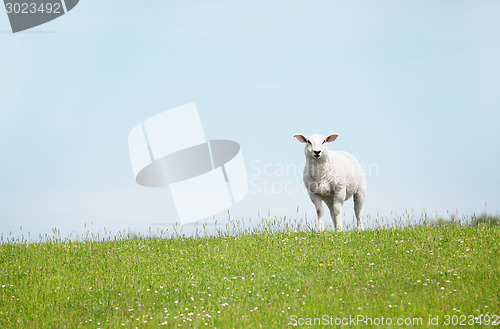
(316, 145)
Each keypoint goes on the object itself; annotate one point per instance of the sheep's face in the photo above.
(316, 145)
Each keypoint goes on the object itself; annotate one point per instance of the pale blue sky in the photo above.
(413, 89)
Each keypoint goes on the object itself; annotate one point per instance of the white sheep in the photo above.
(332, 177)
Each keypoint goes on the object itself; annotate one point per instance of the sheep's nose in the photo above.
(316, 153)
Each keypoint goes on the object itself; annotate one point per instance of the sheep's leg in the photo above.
(316, 200)
(337, 214)
(329, 203)
(358, 209)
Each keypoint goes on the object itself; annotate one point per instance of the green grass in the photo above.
(253, 280)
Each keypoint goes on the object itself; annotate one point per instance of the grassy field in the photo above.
(393, 277)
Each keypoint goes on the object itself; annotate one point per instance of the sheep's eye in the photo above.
(309, 142)
(324, 141)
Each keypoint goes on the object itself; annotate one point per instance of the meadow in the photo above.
(428, 275)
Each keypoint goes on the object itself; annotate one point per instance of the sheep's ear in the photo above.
(300, 138)
(331, 138)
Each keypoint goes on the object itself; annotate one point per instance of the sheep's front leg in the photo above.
(316, 200)
(336, 212)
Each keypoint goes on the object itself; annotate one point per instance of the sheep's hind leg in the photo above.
(358, 209)
(316, 200)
